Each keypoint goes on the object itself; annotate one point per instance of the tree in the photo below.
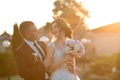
(16, 38)
(73, 12)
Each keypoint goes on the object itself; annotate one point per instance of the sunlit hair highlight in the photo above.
(64, 26)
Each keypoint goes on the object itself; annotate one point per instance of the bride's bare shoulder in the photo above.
(50, 46)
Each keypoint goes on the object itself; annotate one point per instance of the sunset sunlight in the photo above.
(59, 40)
(101, 12)
(16, 11)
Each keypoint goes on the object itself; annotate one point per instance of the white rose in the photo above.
(77, 47)
(67, 49)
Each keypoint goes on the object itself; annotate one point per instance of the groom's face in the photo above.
(32, 33)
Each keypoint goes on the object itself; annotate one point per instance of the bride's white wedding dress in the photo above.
(62, 73)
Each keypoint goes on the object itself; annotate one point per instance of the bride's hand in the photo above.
(69, 61)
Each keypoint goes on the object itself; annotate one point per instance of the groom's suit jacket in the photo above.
(28, 67)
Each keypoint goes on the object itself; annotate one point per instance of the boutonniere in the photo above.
(35, 56)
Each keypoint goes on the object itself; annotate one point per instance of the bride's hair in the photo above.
(64, 26)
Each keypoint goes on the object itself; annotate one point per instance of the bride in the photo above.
(61, 67)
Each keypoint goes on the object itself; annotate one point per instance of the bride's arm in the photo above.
(49, 57)
(55, 64)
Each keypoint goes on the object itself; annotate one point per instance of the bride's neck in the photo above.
(61, 40)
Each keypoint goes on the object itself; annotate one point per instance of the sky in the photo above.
(102, 12)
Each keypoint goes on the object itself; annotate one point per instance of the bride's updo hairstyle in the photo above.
(64, 26)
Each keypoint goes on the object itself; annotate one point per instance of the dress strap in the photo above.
(52, 45)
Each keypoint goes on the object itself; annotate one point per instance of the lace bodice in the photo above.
(57, 52)
(62, 73)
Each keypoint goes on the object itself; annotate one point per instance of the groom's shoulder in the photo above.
(42, 43)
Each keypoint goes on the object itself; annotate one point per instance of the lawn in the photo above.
(12, 78)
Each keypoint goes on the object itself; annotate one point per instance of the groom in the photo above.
(29, 59)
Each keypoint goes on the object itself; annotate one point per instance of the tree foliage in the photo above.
(16, 38)
(7, 64)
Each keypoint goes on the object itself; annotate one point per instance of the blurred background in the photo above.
(96, 23)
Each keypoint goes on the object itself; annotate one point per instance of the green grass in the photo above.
(12, 78)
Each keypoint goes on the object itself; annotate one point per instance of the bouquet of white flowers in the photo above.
(74, 47)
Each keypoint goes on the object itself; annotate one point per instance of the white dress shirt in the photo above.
(31, 44)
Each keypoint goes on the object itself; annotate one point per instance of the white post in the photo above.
(6, 44)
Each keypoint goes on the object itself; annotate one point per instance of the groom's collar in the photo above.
(29, 42)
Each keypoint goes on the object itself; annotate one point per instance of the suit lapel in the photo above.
(40, 49)
(29, 52)
(28, 48)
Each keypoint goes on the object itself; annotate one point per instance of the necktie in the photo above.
(36, 44)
